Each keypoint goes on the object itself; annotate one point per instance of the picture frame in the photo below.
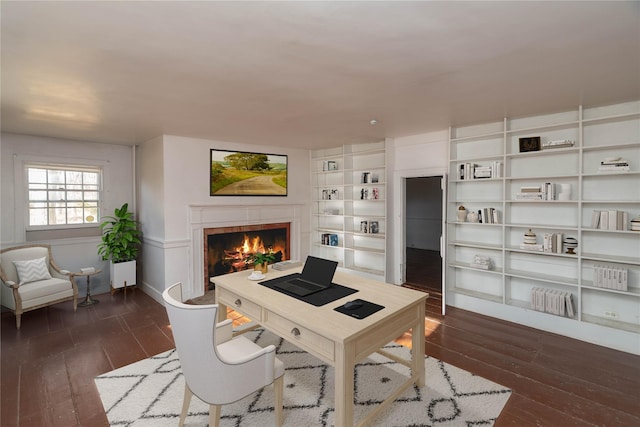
(244, 173)
(530, 143)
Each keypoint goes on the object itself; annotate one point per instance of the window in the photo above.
(63, 196)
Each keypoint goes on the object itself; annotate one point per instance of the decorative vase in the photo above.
(472, 217)
(570, 243)
(262, 268)
(530, 238)
(462, 215)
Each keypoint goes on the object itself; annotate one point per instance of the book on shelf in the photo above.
(488, 216)
(610, 277)
(552, 243)
(329, 239)
(610, 220)
(530, 196)
(532, 247)
(614, 165)
(474, 171)
(552, 301)
(481, 262)
(558, 144)
(286, 265)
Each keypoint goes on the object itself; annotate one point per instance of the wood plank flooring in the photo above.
(47, 368)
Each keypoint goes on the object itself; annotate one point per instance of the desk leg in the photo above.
(344, 367)
(88, 300)
(222, 312)
(417, 345)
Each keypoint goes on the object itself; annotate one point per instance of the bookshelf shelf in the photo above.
(598, 134)
(358, 176)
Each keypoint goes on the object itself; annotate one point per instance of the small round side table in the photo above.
(88, 300)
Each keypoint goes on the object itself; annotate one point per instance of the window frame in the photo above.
(64, 167)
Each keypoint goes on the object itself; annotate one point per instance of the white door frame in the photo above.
(399, 226)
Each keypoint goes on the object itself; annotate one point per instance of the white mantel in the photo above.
(208, 216)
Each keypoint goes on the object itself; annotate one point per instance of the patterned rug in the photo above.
(149, 393)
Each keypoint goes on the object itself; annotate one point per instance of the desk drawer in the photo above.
(298, 335)
(242, 305)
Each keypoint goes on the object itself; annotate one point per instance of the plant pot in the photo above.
(262, 268)
(122, 274)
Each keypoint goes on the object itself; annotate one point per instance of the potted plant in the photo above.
(261, 260)
(120, 246)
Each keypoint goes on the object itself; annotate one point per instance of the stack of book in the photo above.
(286, 265)
(481, 262)
(609, 277)
(561, 143)
(552, 301)
(474, 171)
(552, 243)
(489, 216)
(610, 220)
(330, 239)
(545, 191)
(482, 172)
(614, 164)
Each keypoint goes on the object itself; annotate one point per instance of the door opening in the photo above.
(423, 236)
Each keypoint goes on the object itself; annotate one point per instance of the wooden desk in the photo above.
(338, 339)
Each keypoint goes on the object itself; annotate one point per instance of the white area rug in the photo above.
(149, 393)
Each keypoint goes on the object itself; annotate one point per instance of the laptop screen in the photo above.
(319, 270)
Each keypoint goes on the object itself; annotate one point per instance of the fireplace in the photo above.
(228, 249)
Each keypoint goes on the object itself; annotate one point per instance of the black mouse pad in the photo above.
(367, 309)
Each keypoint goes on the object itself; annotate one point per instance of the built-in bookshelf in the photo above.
(570, 182)
(349, 218)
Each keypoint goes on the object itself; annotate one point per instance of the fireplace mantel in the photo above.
(211, 216)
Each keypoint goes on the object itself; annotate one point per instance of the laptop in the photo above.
(316, 276)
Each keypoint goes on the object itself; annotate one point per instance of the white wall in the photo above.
(71, 254)
(173, 175)
(413, 156)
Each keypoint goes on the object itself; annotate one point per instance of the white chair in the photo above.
(216, 368)
(31, 279)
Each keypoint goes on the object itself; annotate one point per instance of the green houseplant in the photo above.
(120, 245)
(261, 260)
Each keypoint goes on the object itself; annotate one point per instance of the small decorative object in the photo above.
(530, 238)
(462, 213)
(635, 224)
(570, 243)
(565, 192)
(473, 217)
(261, 261)
(531, 143)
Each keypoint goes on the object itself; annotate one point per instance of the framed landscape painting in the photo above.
(235, 173)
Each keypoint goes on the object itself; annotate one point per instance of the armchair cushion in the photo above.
(32, 270)
(44, 289)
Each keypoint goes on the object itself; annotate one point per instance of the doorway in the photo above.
(423, 236)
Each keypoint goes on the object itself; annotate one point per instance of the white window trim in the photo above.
(20, 197)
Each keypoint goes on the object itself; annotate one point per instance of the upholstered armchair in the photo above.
(31, 279)
(216, 368)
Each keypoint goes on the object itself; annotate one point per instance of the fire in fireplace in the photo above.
(229, 249)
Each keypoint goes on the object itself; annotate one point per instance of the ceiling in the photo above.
(306, 74)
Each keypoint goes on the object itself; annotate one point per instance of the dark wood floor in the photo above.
(47, 368)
